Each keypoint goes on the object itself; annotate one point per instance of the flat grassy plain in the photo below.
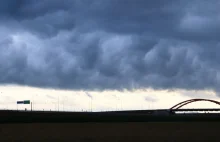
(107, 127)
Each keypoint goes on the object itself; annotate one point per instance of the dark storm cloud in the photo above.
(111, 44)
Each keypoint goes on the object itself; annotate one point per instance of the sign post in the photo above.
(24, 102)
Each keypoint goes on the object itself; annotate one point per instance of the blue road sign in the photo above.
(20, 102)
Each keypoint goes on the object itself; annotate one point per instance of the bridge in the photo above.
(176, 108)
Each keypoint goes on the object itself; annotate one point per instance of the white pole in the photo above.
(63, 103)
(91, 104)
(31, 106)
(58, 102)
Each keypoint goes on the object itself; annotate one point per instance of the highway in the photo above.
(164, 115)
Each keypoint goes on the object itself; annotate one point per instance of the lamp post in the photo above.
(33, 100)
(90, 96)
(58, 102)
(91, 103)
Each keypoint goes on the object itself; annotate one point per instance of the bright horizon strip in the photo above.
(67, 100)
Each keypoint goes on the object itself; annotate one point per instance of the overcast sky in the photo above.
(98, 45)
(110, 44)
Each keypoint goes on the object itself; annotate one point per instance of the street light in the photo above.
(90, 96)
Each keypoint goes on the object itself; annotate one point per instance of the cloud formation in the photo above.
(111, 44)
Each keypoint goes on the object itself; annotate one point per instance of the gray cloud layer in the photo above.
(110, 44)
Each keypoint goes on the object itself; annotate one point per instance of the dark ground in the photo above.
(107, 127)
(111, 132)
